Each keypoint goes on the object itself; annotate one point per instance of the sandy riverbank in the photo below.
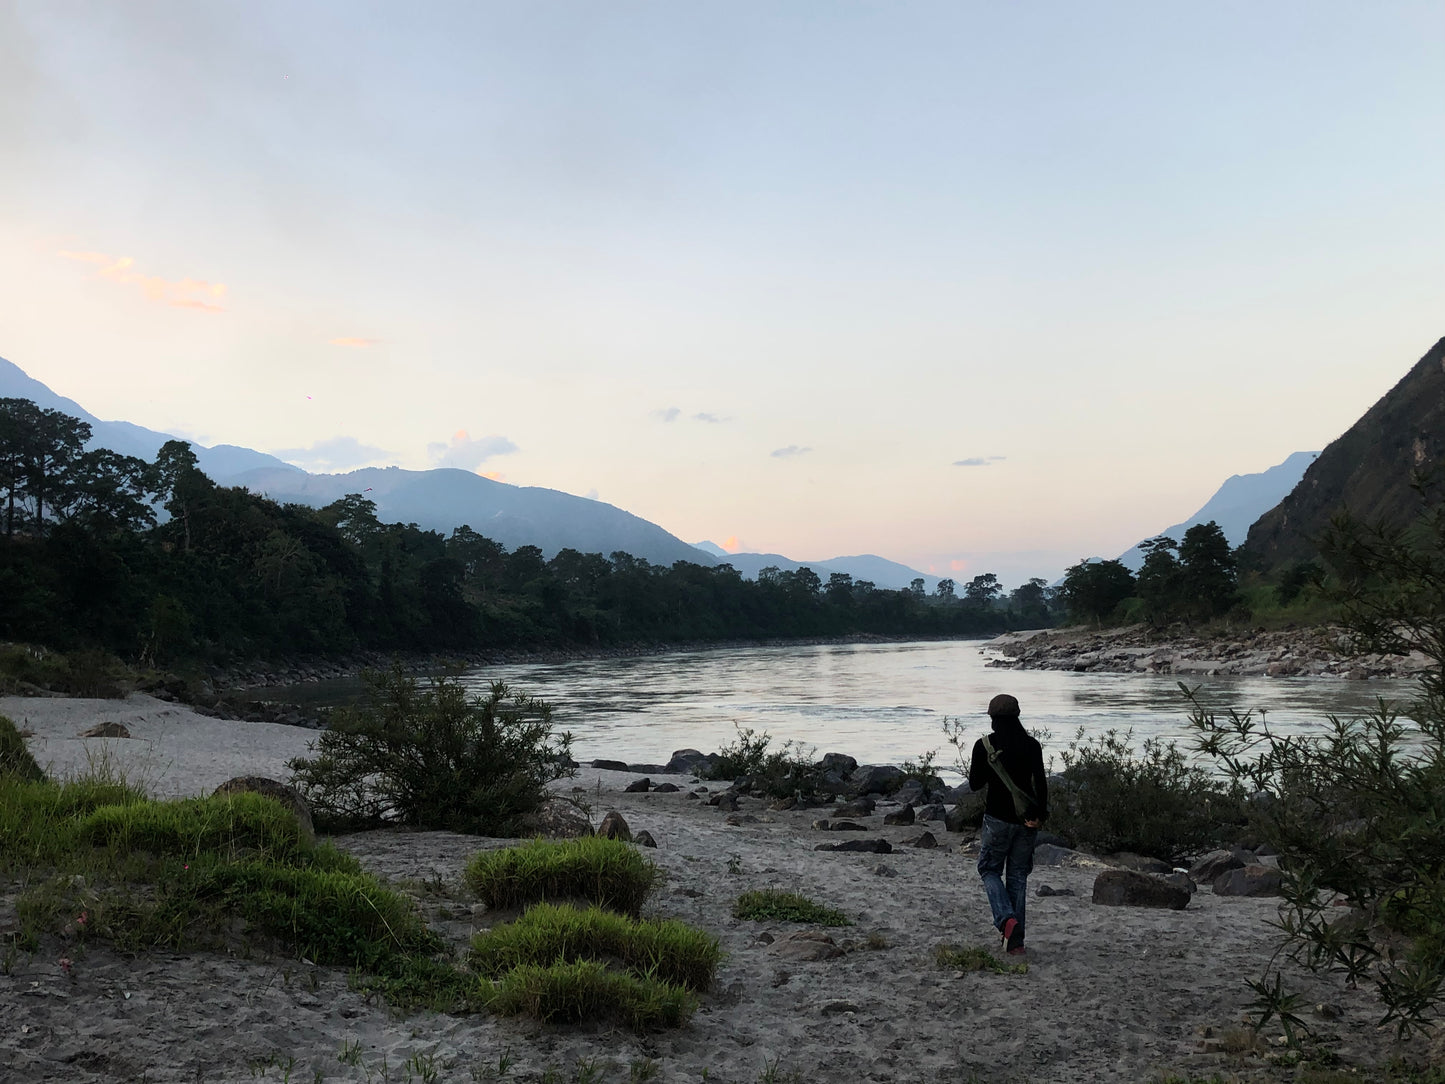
(1110, 994)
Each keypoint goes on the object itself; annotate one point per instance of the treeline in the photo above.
(224, 574)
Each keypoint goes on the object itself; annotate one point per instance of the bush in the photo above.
(778, 774)
(586, 990)
(15, 756)
(434, 759)
(769, 903)
(1108, 798)
(607, 872)
(667, 950)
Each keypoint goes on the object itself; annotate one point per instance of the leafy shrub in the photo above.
(88, 673)
(15, 756)
(587, 990)
(434, 758)
(607, 872)
(777, 773)
(668, 950)
(769, 903)
(1154, 802)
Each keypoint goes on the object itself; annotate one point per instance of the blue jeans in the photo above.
(1004, 845)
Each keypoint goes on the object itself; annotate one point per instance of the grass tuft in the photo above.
(771, 904)
(606, 872)
(975, 958)
(586, 990)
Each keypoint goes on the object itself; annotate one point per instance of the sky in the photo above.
(973, 286)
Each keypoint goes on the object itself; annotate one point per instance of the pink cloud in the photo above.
(731, 543)
(956, 565)
(187, 293)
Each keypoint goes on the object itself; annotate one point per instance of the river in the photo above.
(881, 703)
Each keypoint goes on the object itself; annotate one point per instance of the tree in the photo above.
(1160, 583)
(915, 587)
(982, 590)
(1092, 590)
(1030, 601)
(39, 451)
(1209, 580)
(944, 591)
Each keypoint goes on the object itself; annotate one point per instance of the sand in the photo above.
(1110, 993)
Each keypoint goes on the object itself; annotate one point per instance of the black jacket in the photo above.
(1023, 759)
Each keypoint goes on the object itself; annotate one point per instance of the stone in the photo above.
(287, 795)
(1140, 862)
(880, 870)
(877, 779)
(1047, 854)
(1050, 890)
(1130, 888)
(783, 804)
(867, 846)
(692, 795)
(558, 819)
(1249, 881)
(666, 788)
(644, 839)
(1208, 868)
(611, 765)
(847, 826)
(726, 801)
(1181, 880)
(926, 842)
(968, 813)
(638, 786)
(833, 1008)
(822, 825)
(841, 763)
(614, 826)
(805, 946)
(687, 762)
(903, 817)
(832, 783)
(935, 811)
(106, 730)
(737, 820)
(859, 807)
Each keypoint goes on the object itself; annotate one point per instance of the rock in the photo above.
(841, 763)
(833, 1008)
(614, 826)
(1208, 868)
(611, 765)
(859, 807)
(925, 842)
(692, 795)
(904, 816)
(726, 801)
(1249, 881)
(1130, 888)
(1140, 862)
(933, 812)
(106, 730)
(911, 793)
(822, 825)
(804, 946)
(1181, 880)
(880, 870)
(638, 786)
(666, 788)
(968, 813)
(558, 819)
(832, 783)
(1049, 890)
(287, 795)
(644, 839)
(737, 820)
(847, 826)
(687, 762)
(783, 804)
(877, 779)
(1046, 854)
(645, 769)
(867, 846)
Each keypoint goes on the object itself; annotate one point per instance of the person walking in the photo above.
(1010, 764)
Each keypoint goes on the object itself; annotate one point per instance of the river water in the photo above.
(881, 703)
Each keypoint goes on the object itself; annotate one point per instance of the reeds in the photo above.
(606, 872)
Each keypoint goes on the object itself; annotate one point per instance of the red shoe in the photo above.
(1010, 928)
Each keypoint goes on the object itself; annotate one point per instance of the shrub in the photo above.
(226, 826)
(586, 990)
(1154, 802)
(663, 949)
(607, 872)
(770, 903)
(778, 774)
(434, 758)
(15, 756)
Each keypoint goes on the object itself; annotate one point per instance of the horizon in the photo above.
(972, 289)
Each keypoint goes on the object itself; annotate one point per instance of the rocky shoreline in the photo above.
(1139, 649)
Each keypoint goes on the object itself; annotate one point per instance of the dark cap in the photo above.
(1003, 704)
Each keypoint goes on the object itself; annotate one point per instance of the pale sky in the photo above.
(973, 286)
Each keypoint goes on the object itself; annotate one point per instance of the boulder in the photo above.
(867, 846)
(911, 793)
(106, 730)
(934, 812)
(846, 826)
(611, 765)
(904, 816)
(557, 819)
(1181, 880)
(287, 795)
(686, 762)
(841, 763)
(1049, 890)
(644, 839)
(927, 841)
(1047, 854)
(1130, 888)
(859, 807)
(727, 801)
(737, 820)
(783, 804)
(638, 786)
(1208, 868)
(833, 783)
(614, 826)
(1140, 862)
(1249, 881)
(968, 813)
(877, 779)
(666, 788)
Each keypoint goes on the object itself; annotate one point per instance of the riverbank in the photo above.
(1140, 649)
(1110, 993)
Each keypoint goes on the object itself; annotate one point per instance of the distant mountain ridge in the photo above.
(1368, 469)
(879, 571)
(1241, 500)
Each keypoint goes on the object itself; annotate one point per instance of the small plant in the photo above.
(350, 1052)
(974, 958)
(643, 1069)
(770, 904)
(735, 864)
(15, 757)
(607, 872)
(587, 990)
(775, 773)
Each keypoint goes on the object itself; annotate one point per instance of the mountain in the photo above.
(1241, 500)
(1367, 470)
(129, 439)
(881, 572)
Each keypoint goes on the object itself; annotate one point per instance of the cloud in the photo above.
(956, 565)
(731, 543)
(592, 495)
(467, 454)
(178, 293)
(670, 414)
(348, 340)
(710, 419)
(788, 452)
(979, 461)
(336, 454)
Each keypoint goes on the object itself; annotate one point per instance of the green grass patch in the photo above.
(974, 958)
(606, 872)
(666, 950)
(771, 904)
(564, 992)
(15, 758)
